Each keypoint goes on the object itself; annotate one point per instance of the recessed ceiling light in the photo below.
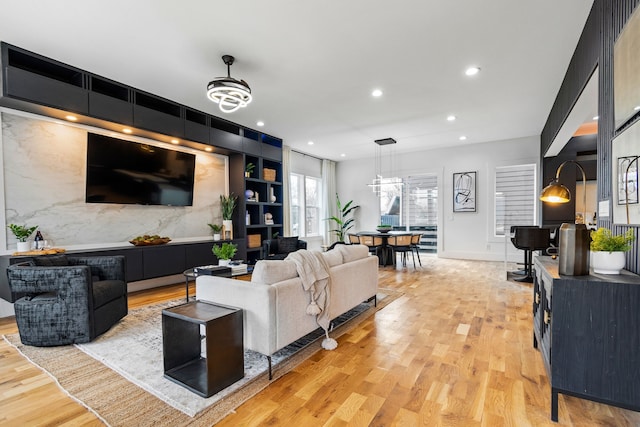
(636, 108)
(260, 123)
(596, 117)
(343, 155)
(472, 71)
(208, 149)
(71, 118)
(127, 130)
(462, 138)
(310, 143)
(451, 118)
(377, 93)
(175, 141)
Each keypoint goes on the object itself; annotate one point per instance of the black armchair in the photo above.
(65, 304)
(281, 247)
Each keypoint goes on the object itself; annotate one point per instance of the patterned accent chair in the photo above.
(66, 300)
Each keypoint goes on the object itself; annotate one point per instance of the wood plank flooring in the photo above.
(454, 350)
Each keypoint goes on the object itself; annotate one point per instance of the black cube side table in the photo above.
(183, 363)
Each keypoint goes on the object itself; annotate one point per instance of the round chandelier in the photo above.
(229, 93)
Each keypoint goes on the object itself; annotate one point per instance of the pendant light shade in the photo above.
(230, 94)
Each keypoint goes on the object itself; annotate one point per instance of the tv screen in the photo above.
(120, 171)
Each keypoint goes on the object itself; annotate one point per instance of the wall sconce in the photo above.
(626, 185)
(558, 193)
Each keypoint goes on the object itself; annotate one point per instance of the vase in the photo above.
(24, 246)
(607, 262)
(273, 195)
(216, 236)
(223, 262)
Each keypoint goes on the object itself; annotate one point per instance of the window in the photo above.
(391, 201)
(306, 205)
(515, 197)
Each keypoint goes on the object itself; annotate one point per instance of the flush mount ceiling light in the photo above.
(229, 93)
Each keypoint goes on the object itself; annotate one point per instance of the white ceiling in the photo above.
(312, 65)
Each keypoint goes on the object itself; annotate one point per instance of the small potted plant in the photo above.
(384, 228)
(216, 229)
(607, 250)
(248, 169)
(228, 204)
(224, 252)
(22, 233)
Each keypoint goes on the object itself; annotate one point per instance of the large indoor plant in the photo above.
(224, 252)
(22, 233)
(344, 220)
(607, 250)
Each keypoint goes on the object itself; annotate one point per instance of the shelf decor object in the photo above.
(230, 94)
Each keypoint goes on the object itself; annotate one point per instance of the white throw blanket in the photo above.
(313, 271)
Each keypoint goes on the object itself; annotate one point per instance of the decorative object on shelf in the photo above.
(46, 251)
(573, 251)
(224, 252)
(22, 233)
(247, 218)
(216, 229)
(149, 240)
(254, 240)
(248, 170)
(607, 250)
(269, 174)
(230, 94)
(464, 192)
(384, 228)
(273, 195)
(248, 194)
(268, 218)
(379, 180)
(344, 221)
(228, 205)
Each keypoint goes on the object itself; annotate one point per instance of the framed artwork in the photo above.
(464, 192)
(627, 166)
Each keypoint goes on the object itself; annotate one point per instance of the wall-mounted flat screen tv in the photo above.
(120, 171)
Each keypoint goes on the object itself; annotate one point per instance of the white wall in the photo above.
(467, 235)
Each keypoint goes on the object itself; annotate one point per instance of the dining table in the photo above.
(386, 252)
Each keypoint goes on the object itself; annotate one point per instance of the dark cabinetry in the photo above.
(587, 330)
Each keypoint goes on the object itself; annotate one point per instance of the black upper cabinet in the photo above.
(251, 143)
(30, 77)
(271, 148)
(157, 114)
(110, 101)
(196, 126)
(225, 134)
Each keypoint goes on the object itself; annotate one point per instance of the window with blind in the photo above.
(515, 197)
(422, 200)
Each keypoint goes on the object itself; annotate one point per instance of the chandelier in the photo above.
(229, 93)
(379, 181)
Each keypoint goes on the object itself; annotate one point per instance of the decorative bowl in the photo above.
(384, 229)
(149, 240)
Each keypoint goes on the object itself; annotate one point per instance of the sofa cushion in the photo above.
(269, 272)
(51, 261)
(333, 257)
(287, 244)
(105, 291)
(352, 252)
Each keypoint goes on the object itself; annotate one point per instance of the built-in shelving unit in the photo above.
(41, 85)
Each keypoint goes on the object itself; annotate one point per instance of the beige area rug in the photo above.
(114, 396)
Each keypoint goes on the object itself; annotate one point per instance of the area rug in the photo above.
(119, 376)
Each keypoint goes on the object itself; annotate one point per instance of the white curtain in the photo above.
(329, 198)
(286, 181)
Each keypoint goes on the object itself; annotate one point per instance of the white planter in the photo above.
(607, 262)
(216, 236)
(24, 246)
(224, 262)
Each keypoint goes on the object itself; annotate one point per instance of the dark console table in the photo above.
(588, 331)
(223, 363)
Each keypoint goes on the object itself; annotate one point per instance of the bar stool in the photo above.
(530, 239)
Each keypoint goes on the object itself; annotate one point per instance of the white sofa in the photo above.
(274, 302)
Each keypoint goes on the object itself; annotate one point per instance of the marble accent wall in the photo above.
(44, 166)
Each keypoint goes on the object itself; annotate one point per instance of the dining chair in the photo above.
(401, 243)
(375, 244)
(354, 239)
(415, 246)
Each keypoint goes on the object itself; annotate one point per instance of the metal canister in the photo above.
(573, 254)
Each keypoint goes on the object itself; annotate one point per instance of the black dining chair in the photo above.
(401, 244)
(415, 246)
(375, 245)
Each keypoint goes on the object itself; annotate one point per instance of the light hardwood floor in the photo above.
(454, 350)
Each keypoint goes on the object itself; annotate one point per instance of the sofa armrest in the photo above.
(258, 303)
(104, 267)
